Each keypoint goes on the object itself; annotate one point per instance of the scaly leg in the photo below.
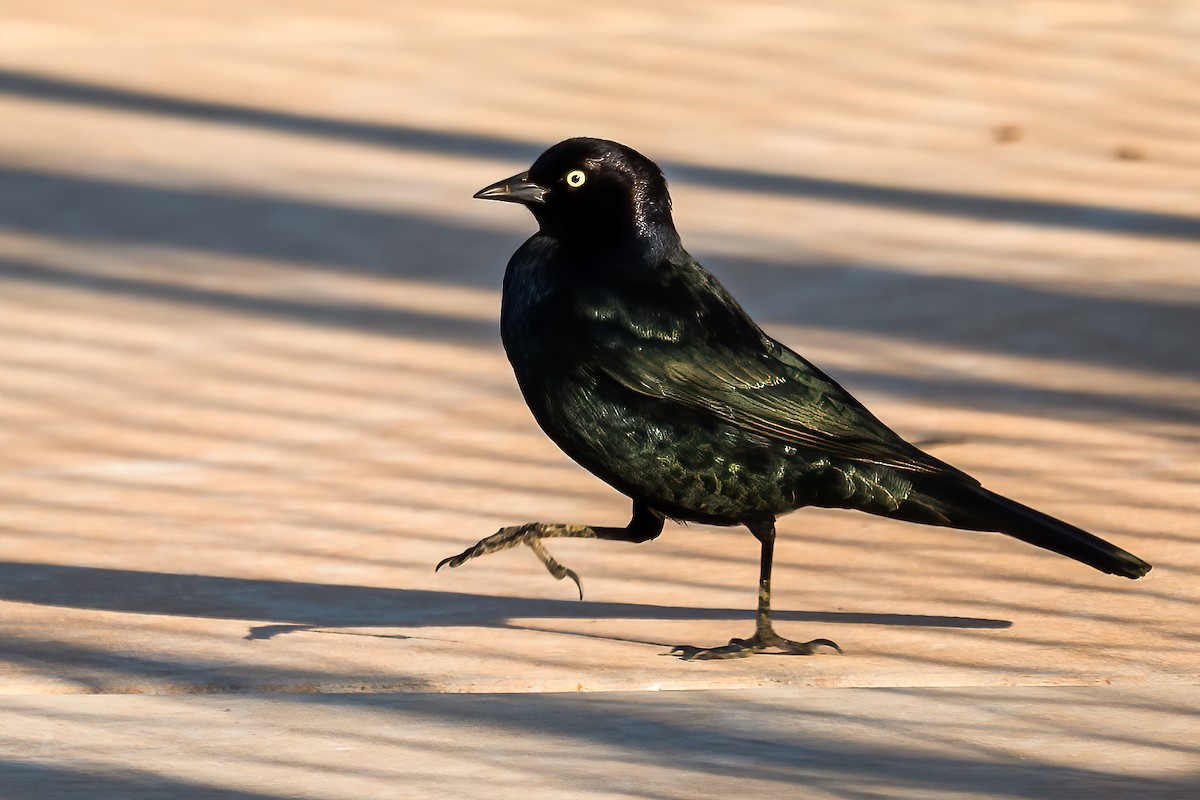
(764, 633)
(645, 525)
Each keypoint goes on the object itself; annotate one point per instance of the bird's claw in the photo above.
(570, 573)
(552, 566)
(743, 648)
(455, 561)
(500, 540)
(687, 652)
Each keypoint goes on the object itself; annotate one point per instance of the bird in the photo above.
(646, 371)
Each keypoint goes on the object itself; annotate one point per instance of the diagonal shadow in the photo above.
(34, 86)
(980, 392)
(558, 742)
(332, 605)
(343, 238)
(1041, 213)
(720, 740)
(967, 312)
(345, 315)
(332, 236)
(29, 779)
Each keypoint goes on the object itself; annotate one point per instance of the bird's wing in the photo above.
(765, 389)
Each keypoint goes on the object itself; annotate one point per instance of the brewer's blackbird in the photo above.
(643, 368)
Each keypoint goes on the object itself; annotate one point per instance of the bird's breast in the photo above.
(528, 303)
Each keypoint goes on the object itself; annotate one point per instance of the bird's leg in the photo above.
(645, 525)
(764, 633)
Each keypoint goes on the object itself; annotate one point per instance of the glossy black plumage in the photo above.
(643, 369)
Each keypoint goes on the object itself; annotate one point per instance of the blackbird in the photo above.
(644, 369)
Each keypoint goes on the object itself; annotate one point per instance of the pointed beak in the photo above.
(517, 189)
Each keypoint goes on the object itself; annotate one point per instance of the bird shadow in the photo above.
(293, 606)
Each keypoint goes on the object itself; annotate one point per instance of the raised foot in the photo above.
(760, 641)
(530, 534)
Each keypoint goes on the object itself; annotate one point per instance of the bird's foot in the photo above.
(760, 641)
(529, 534)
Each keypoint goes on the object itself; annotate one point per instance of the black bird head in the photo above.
(588, 189)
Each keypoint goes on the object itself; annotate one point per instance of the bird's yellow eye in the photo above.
(575, 178)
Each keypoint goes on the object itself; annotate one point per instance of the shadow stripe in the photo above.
(1039, 213)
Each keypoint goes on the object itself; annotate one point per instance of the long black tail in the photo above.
(976, 508)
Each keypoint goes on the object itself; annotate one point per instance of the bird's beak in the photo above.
(517, 189)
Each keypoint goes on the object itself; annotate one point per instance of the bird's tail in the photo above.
(976, 508)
